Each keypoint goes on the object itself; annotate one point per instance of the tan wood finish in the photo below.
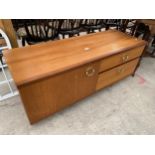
(47, 59)
(53, 75)
(7, 27)
(109, 77)
(2, 42)
(120, 58)
(61, 91)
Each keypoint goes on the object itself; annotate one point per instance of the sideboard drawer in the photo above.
(113, 75)
(120, 58)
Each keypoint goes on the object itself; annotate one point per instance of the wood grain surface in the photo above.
(35, 62)
(7, 27)
(51, 76)
(121, 58)
(109, 77)
(47, 96)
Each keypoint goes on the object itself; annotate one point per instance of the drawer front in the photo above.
(120, 58)
(115, 74)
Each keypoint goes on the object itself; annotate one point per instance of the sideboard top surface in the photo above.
(34, 62)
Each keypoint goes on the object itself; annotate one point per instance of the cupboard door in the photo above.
(49, 95)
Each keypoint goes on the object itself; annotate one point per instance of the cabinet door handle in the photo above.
(125, 58)
(90, 71)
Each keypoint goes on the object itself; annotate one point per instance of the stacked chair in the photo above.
(40, 30)
(35, 31)
(91, 25)
(70, 27)
(113, 24)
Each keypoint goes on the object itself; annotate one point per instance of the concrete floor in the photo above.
(127, 107)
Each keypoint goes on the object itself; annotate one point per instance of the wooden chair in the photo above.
(143, 31)
(91, 25)
(40, 30)
(129, 26)
(18, 23)
(133, 28)
(70, 27)
(113, 24)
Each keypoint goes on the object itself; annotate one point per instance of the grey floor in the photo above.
(127, 107)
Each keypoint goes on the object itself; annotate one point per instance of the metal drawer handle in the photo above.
(125, 58)
(90, 71)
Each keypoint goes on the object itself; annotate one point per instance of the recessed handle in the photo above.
(125, 58)
(90, 71)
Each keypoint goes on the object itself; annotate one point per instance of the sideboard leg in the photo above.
(133, 74)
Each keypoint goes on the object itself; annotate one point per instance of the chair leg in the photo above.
(71, 35)
(133, 74)
(146, 35)
(63, 36)
(107, 27)
(88, 31)
(23, 41)
(133, 29)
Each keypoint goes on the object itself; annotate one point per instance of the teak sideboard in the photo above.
(53, 75)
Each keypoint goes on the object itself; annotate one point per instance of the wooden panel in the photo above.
(47, 96)
(50, 58)
(2, 42)
(113, 75)
(7, 27)
(120, 58)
